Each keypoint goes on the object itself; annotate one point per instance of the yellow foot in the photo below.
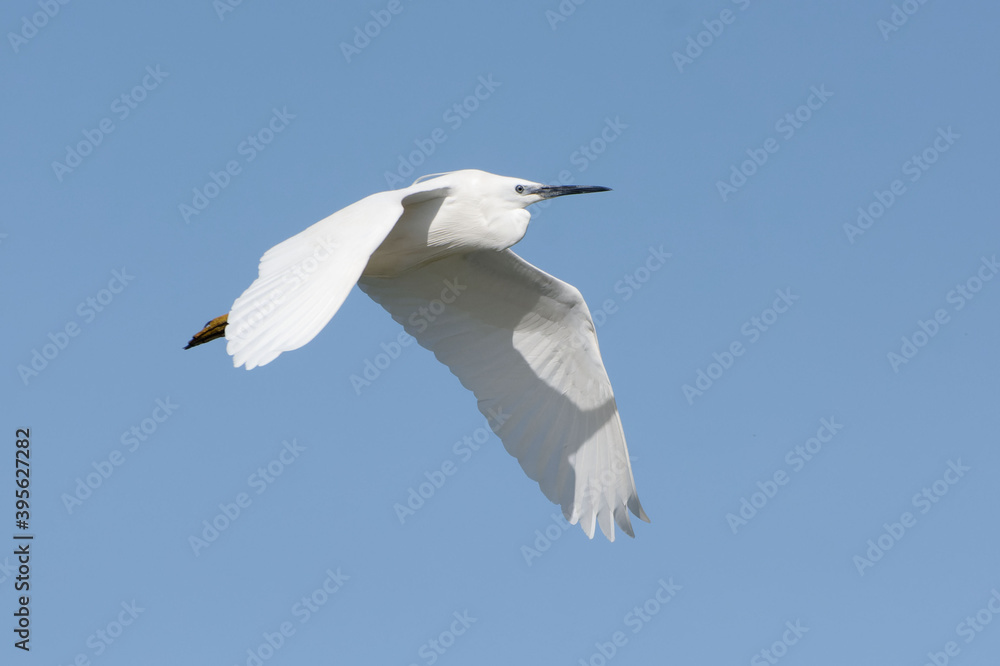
(213, 329)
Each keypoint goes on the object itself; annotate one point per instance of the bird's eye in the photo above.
(519, 189)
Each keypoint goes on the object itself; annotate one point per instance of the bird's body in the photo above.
(435, 255)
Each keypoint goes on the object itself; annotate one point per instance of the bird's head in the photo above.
(511, 196)
(519, 193)
(501, 200)
(504, 192)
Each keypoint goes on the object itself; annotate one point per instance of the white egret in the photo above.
(436, 256)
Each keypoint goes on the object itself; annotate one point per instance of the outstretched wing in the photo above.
(524, 343)
(303, 281)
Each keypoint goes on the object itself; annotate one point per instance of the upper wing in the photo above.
(303, 281)
(524, 343)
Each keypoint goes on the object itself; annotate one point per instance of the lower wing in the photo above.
(524, 343)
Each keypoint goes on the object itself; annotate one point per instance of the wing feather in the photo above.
(303, 281)
(524, 343)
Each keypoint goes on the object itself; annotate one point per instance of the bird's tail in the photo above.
(213, 329)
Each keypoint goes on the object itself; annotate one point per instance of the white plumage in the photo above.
(521, 340)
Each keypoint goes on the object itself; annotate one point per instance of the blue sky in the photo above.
(818, 352)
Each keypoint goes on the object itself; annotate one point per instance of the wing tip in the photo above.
(636, 508)
(606, 518)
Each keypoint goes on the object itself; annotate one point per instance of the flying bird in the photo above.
(436, 255)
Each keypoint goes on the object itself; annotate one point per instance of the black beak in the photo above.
(551, 191)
